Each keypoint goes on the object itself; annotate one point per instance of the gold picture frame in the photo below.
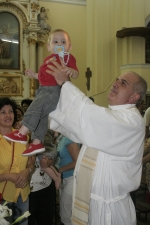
(9, 41)
(11, 85)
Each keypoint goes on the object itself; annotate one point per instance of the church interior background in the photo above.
(108, 37)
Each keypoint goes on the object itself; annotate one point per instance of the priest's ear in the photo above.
(134, 98)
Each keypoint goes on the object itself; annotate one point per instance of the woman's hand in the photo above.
(12, 177)
(22, 179)
(58, 71)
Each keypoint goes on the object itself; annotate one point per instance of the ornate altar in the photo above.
(21, 46)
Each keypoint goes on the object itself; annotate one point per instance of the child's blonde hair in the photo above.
(55, 31)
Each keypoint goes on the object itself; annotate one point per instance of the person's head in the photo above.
(8, 114)
(25, 103)
(42, 9)
(129, 88)
(20, 113)
(59, 38)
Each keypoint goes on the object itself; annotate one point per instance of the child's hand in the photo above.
(69, 71)
(31, 73)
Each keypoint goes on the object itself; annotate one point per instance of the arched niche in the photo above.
(13, 22)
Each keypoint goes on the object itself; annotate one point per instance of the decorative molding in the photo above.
(14, 9)
(25, 5)
(33, 87)
(128, 66)
(31, 41)
(34, 7)
(41, 36)
(24, 66)
(10, 84)
(134, 31)
(40, 43)
(41, 39)
(75, 2)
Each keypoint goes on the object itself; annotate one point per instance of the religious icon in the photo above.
(9, 41)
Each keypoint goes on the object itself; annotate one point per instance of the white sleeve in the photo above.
(78, 118)
(66, 119)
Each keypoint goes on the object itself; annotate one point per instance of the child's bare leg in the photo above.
(23, 130)
(36, 141)
(51, 171)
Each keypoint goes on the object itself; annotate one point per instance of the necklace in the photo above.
(68, 57)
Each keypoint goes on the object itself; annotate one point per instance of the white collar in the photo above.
(121, 107)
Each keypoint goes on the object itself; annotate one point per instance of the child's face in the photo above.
(57, 39)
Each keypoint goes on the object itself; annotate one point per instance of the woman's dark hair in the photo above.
(8, 101)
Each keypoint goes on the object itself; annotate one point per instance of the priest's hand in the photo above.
(59, 71)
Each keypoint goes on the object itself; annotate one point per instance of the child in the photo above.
(50, 153)
(52, 172)
(36, 117)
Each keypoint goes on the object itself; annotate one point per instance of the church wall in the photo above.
(93, 33)
(110, 56)
(98, 47)
(92, 28)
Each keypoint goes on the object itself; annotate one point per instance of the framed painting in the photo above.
(9, 41)
(11, 85)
